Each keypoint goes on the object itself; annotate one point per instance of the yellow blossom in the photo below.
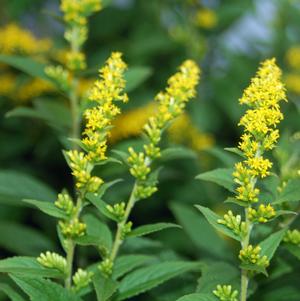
(206, 18)
(262, 214)
(292, 81)
(15, 40)
(293, 57)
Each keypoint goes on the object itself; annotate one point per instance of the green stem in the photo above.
(244, 274)
(118, 238)
(70, 258)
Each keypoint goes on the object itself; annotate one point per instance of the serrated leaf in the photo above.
(151, 228)
(104, 287)
(15, 186)
(174, 153)
(46, 290)
(23, 240)
(290, 193)
(149, 277)
(220, 176)
(198, 297)
(135, 76)
(215, 273)
(213, 218)
(27, 267)
(26, 65)
(10, 292)
(271, 243)
(127, 263)
(47, 207)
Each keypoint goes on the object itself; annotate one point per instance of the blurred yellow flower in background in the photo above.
(292, 82)
(16, 40)
(206, 18)
(293, 57)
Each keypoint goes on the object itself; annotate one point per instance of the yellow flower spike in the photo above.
(109, 88)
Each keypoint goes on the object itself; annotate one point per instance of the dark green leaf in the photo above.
(44, 290)
(213, 218)
(136, 76)
(27, 267)
(220, 176)
(26, 65)
(105, 287)
(15, 186)
(127, 263)
(290, 193)
(198, 297)
(149, 277)
(23, 240)
(148, 229)
(293, 249)
(10, 292)
(175, 153)
(48, 208)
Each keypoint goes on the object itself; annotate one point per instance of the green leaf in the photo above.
(48, 208)
(55, 113)
(271, 243)
(192, 223)
(15, 186)
(213, 218)
(220, 176)
(214, 273)
(290, 193)
(26, 65)
(127, 263)
(96, 199)
(105, 287)
(28, 267)
(254, 268)
(44, 289)
(136, 76)
(227, 159)
(23, 240)
(10, 292)
(175, 153)
(293, 249)
(98, 233)
(148, 229)
(149, 277)
(235, 150)
(198, 297)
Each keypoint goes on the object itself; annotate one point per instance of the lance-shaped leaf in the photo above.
(220, 176)
(27, 267)
(290, 193)
(105, 287)
(46, 290)
(149, 277)
(213, 218)
(148, 229)
(198, 297)
(10, 292)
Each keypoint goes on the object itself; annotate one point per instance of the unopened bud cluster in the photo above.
(226, 293)
(262, 214)
(53, 261)
(293, 237)
(235, 223)
(81, 279)
(251, 255)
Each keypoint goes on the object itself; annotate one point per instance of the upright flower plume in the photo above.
(98, 122)
(260, 134)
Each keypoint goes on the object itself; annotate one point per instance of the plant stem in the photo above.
(118, 238)
(73, 95)
(244, 274)
(70, 257)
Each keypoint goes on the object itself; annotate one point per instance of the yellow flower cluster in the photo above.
(293, 237)
(293, 57)
(98, 122)
(251, 255)
(262, 214)
(77, 11)
(15, 40)
(226, 293)
(181, 87)
(260, 134)
(206, 18)
(99, 118)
